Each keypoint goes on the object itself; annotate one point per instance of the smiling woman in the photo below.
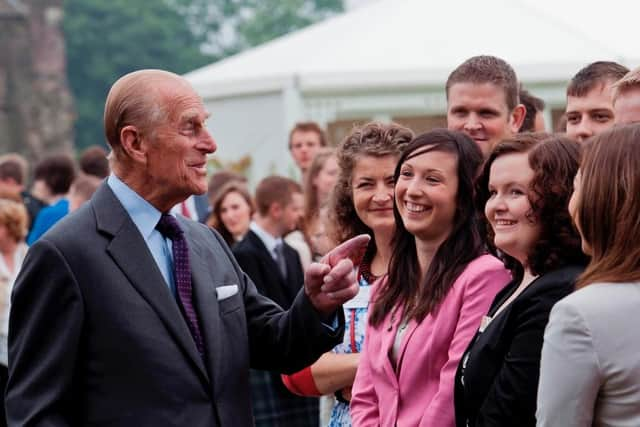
(440, 283)
(361, 203)
(525, 188)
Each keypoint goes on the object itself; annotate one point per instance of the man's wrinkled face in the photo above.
(178, 147)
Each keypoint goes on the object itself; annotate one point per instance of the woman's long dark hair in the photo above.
(405, 287)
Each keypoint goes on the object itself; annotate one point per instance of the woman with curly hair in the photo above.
(525, 189)
(441, 281)
(362, 203)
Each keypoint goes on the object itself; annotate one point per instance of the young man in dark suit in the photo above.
(124, 315)
(275, 268)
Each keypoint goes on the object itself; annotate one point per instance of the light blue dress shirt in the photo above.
(146, 217)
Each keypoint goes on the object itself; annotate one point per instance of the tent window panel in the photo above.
(421, 124)
(339, 129)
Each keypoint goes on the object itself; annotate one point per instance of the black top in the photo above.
(33, 206)
(497, 378)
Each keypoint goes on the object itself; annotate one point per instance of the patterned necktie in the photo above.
(169, 228)
(282, 264)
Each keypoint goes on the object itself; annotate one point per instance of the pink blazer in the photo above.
(419, 392)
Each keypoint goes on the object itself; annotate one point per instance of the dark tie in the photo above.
(169, 228)
(282, 264)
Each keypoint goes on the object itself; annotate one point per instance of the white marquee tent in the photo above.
(390, 59)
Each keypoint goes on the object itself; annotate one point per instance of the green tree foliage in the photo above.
(274, 18)
(230, 26)
(106, 39)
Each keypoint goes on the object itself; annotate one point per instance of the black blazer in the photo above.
(256, 261)
(501, 365)
(97, 338)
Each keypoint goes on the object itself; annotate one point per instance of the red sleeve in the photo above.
(301, 383)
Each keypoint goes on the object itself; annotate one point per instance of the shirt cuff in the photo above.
(334, 323)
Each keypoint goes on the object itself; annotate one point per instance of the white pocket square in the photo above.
(225, 292)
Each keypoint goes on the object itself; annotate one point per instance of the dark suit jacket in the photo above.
(502, 364)
(97, 338)
(256, 261)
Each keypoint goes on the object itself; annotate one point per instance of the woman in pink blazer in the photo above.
(441, 281)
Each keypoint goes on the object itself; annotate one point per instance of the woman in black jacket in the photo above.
(525, 188)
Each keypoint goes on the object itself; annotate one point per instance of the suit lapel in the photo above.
(295, 275)
(265, 255)
(129, 250)
(205, 298)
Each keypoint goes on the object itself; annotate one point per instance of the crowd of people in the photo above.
(486, 274)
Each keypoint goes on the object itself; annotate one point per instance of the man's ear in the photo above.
(132, 143)
(517, 117)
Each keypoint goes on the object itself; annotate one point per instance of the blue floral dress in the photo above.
(356, 322)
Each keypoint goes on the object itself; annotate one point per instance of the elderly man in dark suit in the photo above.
(124, 315)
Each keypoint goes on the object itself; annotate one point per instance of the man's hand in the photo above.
(332, 281)
(354, 249)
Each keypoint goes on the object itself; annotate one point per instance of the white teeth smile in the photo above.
(505, 222)
(412, 207)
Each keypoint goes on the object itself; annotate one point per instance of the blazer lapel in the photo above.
(410, 329)
(205, 300)
(294, 280)
(265, 255)
(129, 250)
(277, 284)
(388, 332)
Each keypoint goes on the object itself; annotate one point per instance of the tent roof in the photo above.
(418, 42)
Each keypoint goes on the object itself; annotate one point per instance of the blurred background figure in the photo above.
(305, 139)
(13, 230)
(533, 117)
(318, 185)
(52, 178)
(626, 98)
(232, 210)
(82, 189)
(93, 161)
(590, 370)
(589, 108)
(14, 171)
(219, 179)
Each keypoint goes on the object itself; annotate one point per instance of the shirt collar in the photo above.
(143, 214)
(269, 240)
